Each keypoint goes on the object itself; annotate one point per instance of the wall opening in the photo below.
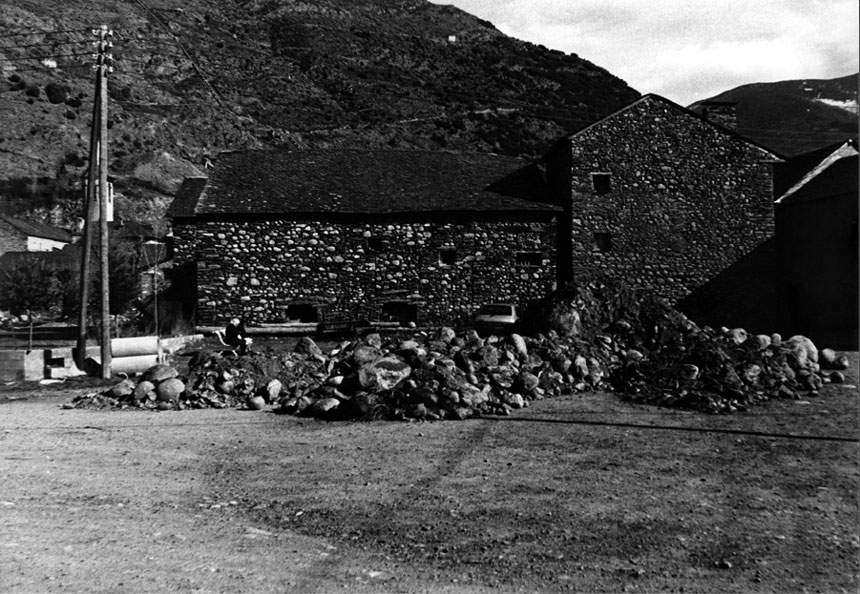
(447, 257)
(601, 182)
(303, 312)
(401, 312)
(529, 259)
(603, 241)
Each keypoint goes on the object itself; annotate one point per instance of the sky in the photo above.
(687, 50)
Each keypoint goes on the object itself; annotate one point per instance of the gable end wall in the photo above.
(11, 240)
(687, 200)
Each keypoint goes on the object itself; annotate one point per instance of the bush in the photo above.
(123, 282)
(30, 285)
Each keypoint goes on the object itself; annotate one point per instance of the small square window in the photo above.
(602, 182)
(529, 259)
(603, 241)
(375, 244)
(448, 257)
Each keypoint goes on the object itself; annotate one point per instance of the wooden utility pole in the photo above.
(89, 205)
(98, 167)
(104, 44)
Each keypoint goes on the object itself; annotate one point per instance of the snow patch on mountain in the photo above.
(849, 105)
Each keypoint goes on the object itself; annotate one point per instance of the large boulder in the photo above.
(143, 390)
(159, 373)
(487, 355)
(307, 346)
(169, 390)
(383, 374)
(802, 349)
(322, 407)
(364, 354)
(362, 404)
(272, 390)
(520, 345)
(122, 389)
(446, 335)
(473, 396)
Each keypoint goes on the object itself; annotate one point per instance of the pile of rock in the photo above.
(443, 376)
(159, 387)
(592, 337)
(728, 370)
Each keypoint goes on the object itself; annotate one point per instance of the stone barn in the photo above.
(381, 235)
(665, 198)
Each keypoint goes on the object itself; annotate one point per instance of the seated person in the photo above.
(235, 335)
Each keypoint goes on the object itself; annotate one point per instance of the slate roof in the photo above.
(32, 229)
(353, 181)
(787, 174)
(838, 179)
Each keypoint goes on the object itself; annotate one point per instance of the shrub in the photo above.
(123, 282)
(29, 285)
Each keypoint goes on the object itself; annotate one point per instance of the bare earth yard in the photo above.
(580, 493)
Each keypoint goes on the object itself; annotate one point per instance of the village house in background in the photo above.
(662, 197)
(383, 235)
(17, 235)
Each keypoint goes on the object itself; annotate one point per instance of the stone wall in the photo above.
(662, 199)
(11, 240)
(256, 269)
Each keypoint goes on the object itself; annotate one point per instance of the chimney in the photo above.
(723, 113)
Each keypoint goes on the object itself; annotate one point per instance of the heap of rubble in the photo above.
(595, 336)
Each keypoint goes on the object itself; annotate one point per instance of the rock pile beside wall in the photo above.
(644, 350)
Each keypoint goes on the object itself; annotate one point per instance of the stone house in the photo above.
(386, 235)
(817, 230)
(18, 235)
(665, 198)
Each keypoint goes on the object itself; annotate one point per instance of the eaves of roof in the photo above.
(41, 230)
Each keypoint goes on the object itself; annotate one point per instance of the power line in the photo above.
(49, 57)
(34, 33)
(52, 44)
(50, 68)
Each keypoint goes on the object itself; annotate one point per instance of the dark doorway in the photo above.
(400, 312)
(303, 312)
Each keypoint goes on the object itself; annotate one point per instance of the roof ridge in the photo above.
(683, 109)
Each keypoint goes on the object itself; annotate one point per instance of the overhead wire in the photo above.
(35, 33)
(48, 57)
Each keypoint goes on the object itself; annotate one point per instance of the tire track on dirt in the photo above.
(314, 578)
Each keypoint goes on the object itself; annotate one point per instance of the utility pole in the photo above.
(98, 166)
(104, 44)
(86, 250)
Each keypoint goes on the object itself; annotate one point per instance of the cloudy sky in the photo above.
(687, 50)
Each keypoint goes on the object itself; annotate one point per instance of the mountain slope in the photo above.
(193, 78)
(796, 116)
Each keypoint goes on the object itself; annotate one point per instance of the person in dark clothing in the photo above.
(236, 335)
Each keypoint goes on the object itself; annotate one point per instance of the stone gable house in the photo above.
(18, 235)
(400, 236)
(662, 197)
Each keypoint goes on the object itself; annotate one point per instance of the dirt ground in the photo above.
(580, 493)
